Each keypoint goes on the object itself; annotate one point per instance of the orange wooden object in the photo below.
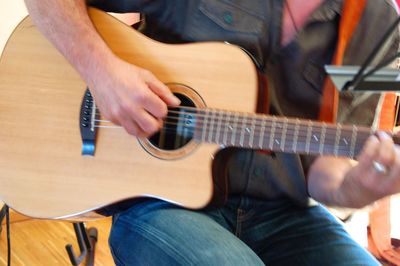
(352, 11)
(379, 239)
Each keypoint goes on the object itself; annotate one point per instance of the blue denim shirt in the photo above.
(295, 72)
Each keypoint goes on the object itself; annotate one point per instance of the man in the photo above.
(268, 218)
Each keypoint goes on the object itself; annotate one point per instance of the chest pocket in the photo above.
(236, 21)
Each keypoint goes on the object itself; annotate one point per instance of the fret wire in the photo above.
(219, 124)
(337, 139)
(261, 140)
(310, 123)
(203, 135)
(353, 141)
(253, 129)
(271, 137)
(227, 127)
(296, 133)
(211, 128)
(242, 132)
(284, 131)
(322, 138)
(235, 121)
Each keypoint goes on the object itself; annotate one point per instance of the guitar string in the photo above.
(264, 119)
(258, 130)
(312, 139)
(268, 122)
(301, 147)
(314, 147)
(289, 142)
(259, 118)
(253, 120)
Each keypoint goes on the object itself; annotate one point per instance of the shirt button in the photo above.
(228, 17)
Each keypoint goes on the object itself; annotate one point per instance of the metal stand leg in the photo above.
(2, 215)
(87, 242)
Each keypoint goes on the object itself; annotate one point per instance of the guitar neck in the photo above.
(279, 133)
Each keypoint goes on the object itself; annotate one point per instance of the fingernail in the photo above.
(176, 100)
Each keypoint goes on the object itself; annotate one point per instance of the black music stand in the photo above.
(2, 216)
(382, 80)
(367, 77)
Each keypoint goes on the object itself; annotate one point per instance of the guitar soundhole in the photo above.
(178, 127)
(175, 140)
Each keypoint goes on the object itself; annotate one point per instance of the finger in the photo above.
(161, 90)
(134, 111)
(369, 152)
(386, 154)
(151, 102)
(395, 167)
(147, 123)
(396, 171)
(131, 126)
(390, 183)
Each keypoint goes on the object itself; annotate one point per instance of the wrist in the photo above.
(96, 63)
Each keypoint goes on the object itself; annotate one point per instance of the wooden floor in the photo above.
(39, 242)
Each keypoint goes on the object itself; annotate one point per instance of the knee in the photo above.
(171, 236)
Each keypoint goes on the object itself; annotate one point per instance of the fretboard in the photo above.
(278, 133)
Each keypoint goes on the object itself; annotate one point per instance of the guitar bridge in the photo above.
(87, 124)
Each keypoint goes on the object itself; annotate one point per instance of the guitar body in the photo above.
(42, 171)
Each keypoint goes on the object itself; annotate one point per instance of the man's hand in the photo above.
(347, 183)
(378, 170)
(132, 97)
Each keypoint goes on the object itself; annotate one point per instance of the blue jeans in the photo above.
(245, 231)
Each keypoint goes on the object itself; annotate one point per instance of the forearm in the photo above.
(67, 25)
(126, 94)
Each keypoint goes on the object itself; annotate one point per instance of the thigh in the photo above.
(310, 236)
(157, 233)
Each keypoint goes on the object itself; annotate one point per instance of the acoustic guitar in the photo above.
(59, 159)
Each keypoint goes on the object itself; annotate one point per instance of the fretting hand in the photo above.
(378, 170)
